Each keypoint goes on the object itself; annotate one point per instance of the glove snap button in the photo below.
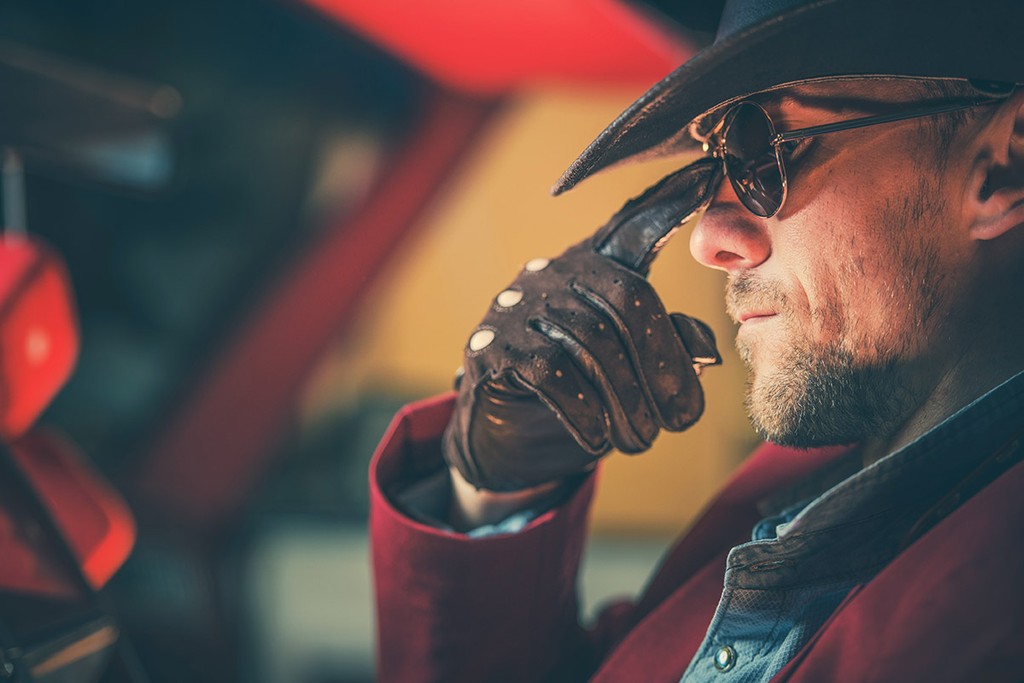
(536, 265)
(481, 339)
(509, 298)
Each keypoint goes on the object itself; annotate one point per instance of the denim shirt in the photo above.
(805, 557)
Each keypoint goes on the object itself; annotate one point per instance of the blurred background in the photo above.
(281, 220)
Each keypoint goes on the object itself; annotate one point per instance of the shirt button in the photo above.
(725, 659)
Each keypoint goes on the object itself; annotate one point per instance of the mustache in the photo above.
(748, 292)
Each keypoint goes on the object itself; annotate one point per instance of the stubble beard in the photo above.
(820, 395)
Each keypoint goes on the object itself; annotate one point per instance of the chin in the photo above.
(823, 399)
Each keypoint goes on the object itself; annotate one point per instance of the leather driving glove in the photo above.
(578, 355)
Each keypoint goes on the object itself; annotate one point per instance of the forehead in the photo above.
(854, 94)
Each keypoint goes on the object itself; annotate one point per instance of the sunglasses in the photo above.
(753, 152)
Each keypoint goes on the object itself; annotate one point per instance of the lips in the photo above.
(750, 298)
(754, 315)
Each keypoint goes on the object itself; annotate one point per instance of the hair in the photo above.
(947, 126)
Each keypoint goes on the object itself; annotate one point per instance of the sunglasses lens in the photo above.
(754, 169)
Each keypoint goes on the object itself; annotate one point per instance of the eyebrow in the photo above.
(837, 102)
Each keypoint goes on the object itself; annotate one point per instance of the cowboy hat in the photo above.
(765, 44)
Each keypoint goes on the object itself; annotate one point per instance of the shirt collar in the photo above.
(925, 468)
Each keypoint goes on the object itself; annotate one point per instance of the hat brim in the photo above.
(824, 39)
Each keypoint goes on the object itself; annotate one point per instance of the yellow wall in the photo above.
(496, 215)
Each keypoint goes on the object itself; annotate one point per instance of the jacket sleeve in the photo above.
(451, 608)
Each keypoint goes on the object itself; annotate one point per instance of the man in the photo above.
(864, 190)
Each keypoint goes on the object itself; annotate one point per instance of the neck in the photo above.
(970, 376)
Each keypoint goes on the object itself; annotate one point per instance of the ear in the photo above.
(996, 186)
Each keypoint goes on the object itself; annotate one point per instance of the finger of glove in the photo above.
(556, 380)
(653, 346)
(529, 365)
(588, 338)
(699, 340)
(635, 235)
(518, 442)
(571, 401)
(506, 346)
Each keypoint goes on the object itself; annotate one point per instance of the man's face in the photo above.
(845, 298)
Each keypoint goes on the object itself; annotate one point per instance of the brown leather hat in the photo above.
(765, 44)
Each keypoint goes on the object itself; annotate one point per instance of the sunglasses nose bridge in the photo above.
(715, 148)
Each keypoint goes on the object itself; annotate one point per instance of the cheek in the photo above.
(879, 282)
(815, 281)
(860, 260)
(844, 290)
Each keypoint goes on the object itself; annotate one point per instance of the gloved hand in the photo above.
(578, 355)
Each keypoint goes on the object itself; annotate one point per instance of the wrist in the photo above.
(472, 507)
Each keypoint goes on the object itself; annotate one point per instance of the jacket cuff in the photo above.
(442, 595)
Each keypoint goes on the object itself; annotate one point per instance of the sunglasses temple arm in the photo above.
(638, 231)
(802, 133)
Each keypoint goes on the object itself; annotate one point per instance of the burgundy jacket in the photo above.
(950, 607)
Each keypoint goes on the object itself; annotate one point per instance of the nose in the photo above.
(728, 236)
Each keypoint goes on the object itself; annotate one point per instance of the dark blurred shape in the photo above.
(53, 626)
(285, 124)
(163, 278)
(76, 120)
